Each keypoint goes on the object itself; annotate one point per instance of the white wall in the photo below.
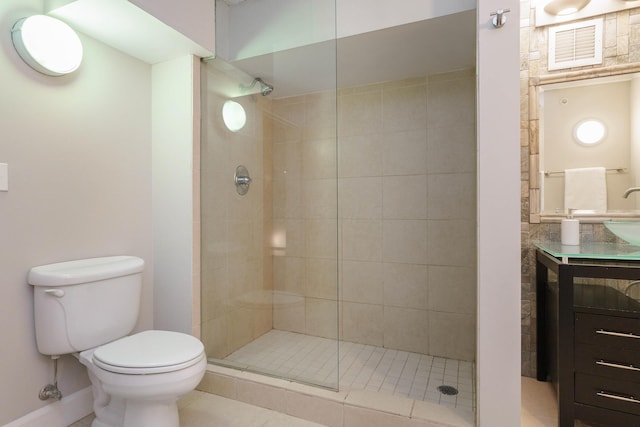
(174, 194)
(256, 28)
(79, 155)
(193, 18)
(498, 361)
(361, 16)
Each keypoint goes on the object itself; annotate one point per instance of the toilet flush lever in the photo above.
(59, 293)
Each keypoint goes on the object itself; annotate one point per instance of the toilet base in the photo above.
(140, 413)
(137, 413)
(139, 400)
(159, 414)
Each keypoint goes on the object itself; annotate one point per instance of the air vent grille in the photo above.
(575, 45)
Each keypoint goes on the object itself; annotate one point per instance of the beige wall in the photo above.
(406, 198)
(175, 172)
(406, 229)
(235, 263)
(305, 215)
(622, 46)
(79, 155)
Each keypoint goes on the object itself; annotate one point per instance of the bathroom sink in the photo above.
(629, 231)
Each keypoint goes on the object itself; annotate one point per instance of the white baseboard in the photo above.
(62, 413)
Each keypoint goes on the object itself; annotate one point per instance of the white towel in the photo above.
(585, 189)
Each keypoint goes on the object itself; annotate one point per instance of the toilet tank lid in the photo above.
(84, 270)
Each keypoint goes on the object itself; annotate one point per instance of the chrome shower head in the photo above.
(265, 88)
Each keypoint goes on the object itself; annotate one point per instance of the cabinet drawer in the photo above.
(607, 331)
(608, 362)
(608, 393)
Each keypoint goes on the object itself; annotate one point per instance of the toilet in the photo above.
(88, 308)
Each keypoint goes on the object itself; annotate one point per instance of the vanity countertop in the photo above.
(593, 250)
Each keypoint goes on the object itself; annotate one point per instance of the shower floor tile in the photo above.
(361, 367)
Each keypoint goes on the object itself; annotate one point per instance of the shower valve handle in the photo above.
(243, 180)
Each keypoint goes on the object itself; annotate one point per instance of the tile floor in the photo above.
(362, 367)
(198, 409)
(539, 406)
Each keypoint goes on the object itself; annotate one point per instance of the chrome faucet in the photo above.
(630, 190)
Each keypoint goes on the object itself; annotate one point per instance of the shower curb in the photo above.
(326, 407)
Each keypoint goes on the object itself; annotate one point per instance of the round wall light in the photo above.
(47, 45)
(233, 115)
(589, 132)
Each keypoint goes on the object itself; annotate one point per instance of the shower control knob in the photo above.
(242, 180)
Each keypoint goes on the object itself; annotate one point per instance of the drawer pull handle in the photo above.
(616, 365)
(616, 334)
(629, 399)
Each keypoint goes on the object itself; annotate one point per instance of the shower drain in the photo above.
(448, 390)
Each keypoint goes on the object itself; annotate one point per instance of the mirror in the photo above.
(565, 102)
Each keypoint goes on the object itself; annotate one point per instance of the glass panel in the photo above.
(386, 201)
(269, 257)
(591, 250)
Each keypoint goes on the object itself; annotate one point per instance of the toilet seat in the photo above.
(149, 352)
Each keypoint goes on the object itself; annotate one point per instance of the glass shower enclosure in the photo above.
(338, 200)
(269, 195)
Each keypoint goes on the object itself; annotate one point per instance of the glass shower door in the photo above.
(269, 195)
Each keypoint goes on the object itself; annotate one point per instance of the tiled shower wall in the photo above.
(406, 229)
(621, 46)
(236, 260)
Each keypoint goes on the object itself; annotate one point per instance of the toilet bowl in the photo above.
(87, 308)
(138, 379)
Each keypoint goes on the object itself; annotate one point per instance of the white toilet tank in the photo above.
(83, 304)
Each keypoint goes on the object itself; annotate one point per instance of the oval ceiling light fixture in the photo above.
(47, 45)
(233, 115)
(589, 132)
(564, 7)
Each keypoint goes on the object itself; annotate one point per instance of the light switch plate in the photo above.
(4, 177)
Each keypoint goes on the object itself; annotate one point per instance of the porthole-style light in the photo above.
(47, 45)
(589, 132)
(233, 115)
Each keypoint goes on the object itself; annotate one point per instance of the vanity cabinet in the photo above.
(607, 361)
(588, 342)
